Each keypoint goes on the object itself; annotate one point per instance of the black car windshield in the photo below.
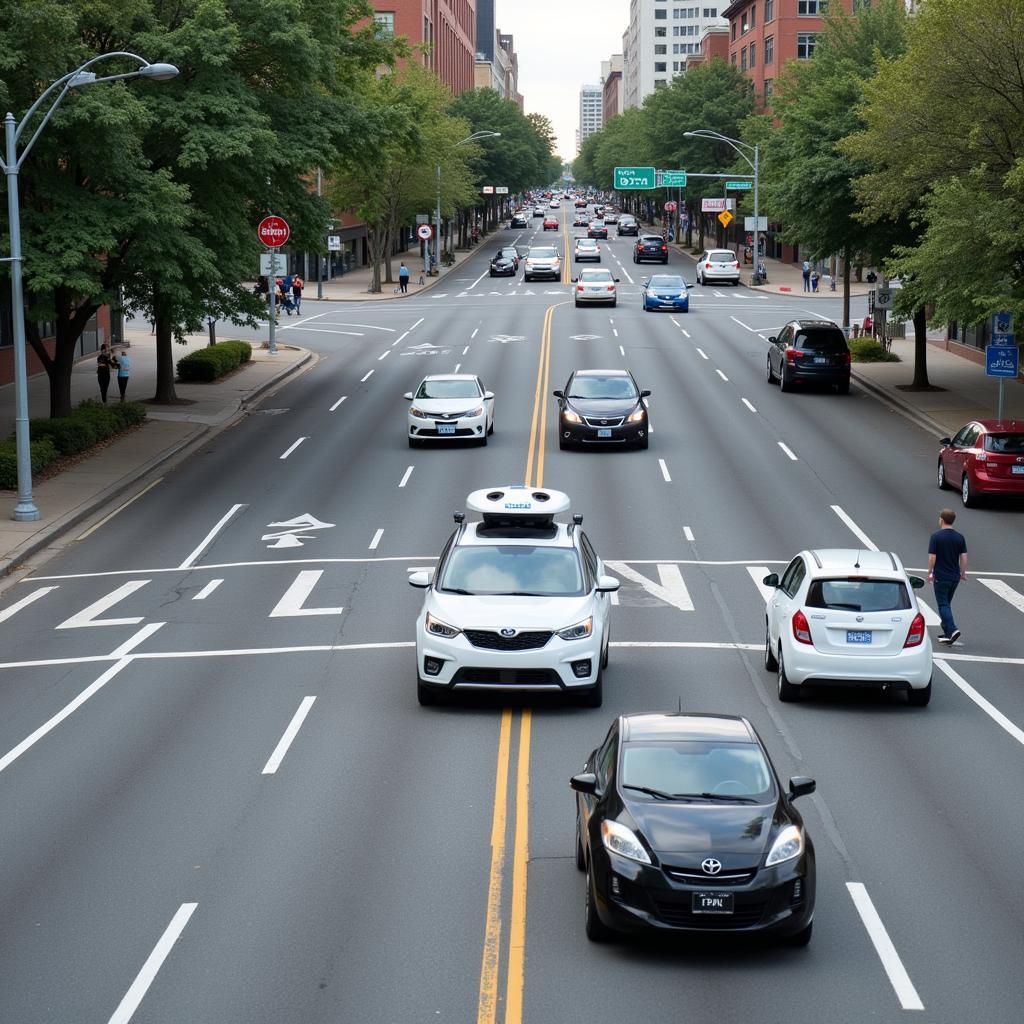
(666, 281)
(514, 569)
(1009, 444)
(449, 389)
(859, 595)
(602, 387)
(650, 240)
(537, 253)
(821, 340)
(509, 250)
(692, 768)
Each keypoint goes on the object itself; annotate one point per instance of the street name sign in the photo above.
(634, 177)
(1002, 361)
(422, 218)
(739, 184)
(673, 179)
(274, 232)
(725, 218)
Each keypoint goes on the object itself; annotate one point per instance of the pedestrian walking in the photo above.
(124, 371)
(815, 277)
(104, 361)
(807, 276)
(947, 566)
(297, 285)
(286, 284)
(403, 278)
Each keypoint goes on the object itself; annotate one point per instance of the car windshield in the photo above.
(509, 250)
(543, 254)
(514, 569)
(862, 595)
(651, 240)
(586, 243)
(602, 387)
(722, 256)
(666, 281)
(1010, 444)
(448, 389)
(598, 276)
(695, 767)
(821, 340)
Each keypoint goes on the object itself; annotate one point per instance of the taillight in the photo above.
(801, 628)
(611, 287)
(848, 358)
(707, 266)
(736, 264)
(793, 354)
(664, 248)
(915, 635)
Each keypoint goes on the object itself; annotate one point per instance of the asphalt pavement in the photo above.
(223, 803)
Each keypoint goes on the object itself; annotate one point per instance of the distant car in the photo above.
(554, 204)
(596, 229)
(542, 261)
(602, 409)
(587, 249)
(650, 249)
(595, 286)
(550, 223)
(580, 220)
(627, 225)
(665, 291)
(518, 221)
(581, 203)
(809, 352)
(718, 265)
(450, 407)
(538, 211)
(611, 217)
(682, 825)
(847, 616)
(984, 457)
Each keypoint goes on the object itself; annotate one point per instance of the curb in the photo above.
(383, 297)
(900, 405)
(70, 520)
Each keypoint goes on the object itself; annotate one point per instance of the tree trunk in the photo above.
(920, 349)
(60, 370)
(164, 361)
(846, 286)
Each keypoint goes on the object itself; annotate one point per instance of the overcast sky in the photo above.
(561, 44)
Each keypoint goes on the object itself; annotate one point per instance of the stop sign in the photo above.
(274, 232)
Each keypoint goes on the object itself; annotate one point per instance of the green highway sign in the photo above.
(673, 179)
(634, 177)
(739, 184)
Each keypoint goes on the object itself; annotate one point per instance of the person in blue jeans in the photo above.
(947, 566)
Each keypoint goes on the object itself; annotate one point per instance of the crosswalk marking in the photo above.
(24, 603)
(931, 616)
(1005, 591)
(757, 574)
(672, 590)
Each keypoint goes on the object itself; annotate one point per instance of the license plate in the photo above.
(858, 636)
(1017, 470)
(604, 432)
(712, 902)
(446, 428)
(820, 360)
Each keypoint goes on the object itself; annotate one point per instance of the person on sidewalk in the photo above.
(867, 326)
(814, 280)
(104, 361)
(123, 362)
(947, 566)
(403, 278)
(807, 276)
(297, 285)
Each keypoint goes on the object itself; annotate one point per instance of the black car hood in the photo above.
(676, 830)
(603, 408)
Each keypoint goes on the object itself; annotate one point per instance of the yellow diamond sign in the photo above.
(725, 218)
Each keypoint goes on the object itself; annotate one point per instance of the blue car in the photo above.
(666, 291)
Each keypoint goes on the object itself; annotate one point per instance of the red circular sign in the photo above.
(671, 206)
(274, 232)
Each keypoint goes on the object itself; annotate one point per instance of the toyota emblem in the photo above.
(860, 618)
(604, 423)
(507, 631)
(710, 866)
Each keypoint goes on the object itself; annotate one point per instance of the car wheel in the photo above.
(769, 372)
(966, 494)
(784, 382)
(490, 429)
(427, 695)
(920, 698)
(596, 929)
(787, 691)
(843, 388)
(770, 662)
(592, 696)
(635, 260)
(607, 645)
(482, 442)
(414, 442)
(581, 857)
(940, 475)
(643, 444)
(802, 937)
(577, 303)
(614, 303)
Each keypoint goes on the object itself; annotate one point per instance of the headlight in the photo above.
(478, 411)
(636, 417)
(623, 841)
(438, 628)
(789, 843)
(413, 411)
(572, 417)
(579, 631)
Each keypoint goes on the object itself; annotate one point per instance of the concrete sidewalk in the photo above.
(171, 432)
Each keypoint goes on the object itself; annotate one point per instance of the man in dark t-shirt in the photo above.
(947, 566)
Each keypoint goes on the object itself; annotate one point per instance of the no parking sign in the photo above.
(425, 232)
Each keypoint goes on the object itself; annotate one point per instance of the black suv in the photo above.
(810, 352)
(650, 247)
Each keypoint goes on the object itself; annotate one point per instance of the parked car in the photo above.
(809, 352)
(650, 249)
(718, 265)
(984, 457)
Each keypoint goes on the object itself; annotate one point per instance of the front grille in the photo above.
(447, 417)
(459, 432)
(507, 677)
(699, 878)
(613, 422)
(492, 641)
(681, 915)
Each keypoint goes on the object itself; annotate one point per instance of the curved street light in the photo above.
(25, 510)
(742, 148)
(475, 137)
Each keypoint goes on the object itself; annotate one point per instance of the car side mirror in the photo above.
(421, 579)
(408, 396)
(607, 585)
(773, 340)
(585, 782)
(574, 280)
(945, 440)
(616, 279)
(558, 394)
(801, 785)
(771, 580)
(645, 394)
(488, 394)
(916, 582)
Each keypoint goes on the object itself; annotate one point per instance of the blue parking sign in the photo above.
(1002, 360)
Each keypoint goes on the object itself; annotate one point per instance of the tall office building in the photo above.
(485, 29)
(591, 113)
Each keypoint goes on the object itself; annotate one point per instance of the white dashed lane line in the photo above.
(405, 476)
(664, 471)
(465, 350)
(473, 335)
(292, 447)
(384, 355)
(688, 533)
(702, 353)
(376, 539)
(275, 759)
(363, 380)
(622, 352)
(747, 403)
(855, 529)
(338, 402)
(722, 375)
(787, 450)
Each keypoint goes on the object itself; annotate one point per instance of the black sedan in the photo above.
(682, 826)
(650, 248)
(505, 262)
(602, 408)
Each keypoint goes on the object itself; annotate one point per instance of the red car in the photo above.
(984, 457)
(551, 223)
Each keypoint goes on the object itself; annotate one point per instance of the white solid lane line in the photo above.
(757, 574)
(628, 278)
(1006, 592)
(688, 533)
(208, 539)
(702, 353)
(106, 519)
(748, 405)
(207, 590)
(664, 471)
(898, 977)
(315, 316)
(376, 539)
(140, 986)
(338, 402)
(384, 354)
(855, 529)
(990, 709)
(275, 759)
(405, 477)
(363, 380)
(24, 603)
(291, 605)
(292, 447)
(720, 374)
(479, 279)
(787, 450)
(743, 325)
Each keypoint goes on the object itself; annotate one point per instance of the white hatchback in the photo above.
(843, 616)
(450, 407)
(718, 265)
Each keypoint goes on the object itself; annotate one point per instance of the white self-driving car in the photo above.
(450, 407)
(843, 616)
(518, 602)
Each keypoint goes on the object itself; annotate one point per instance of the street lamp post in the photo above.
(25, 510)
(475, 137)
(739, 146)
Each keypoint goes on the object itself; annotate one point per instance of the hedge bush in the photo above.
(867, 350)
(207, 364)
(90, 423)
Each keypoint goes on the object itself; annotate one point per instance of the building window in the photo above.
(733, 34)
(753, 15)
(386, 21)
(767, 88)
(733, 59)
(769, 49)
(659, 50)
(745, 23)
(769, 10)
(660, 83)
(753, 55)
(660, 15)
(660, 66)
(709, 12)
(811, 8)
(805, 45)
(743, 58)
(660, 32)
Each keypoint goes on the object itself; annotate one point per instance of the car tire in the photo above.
(596, 929)
(429, 696)
(644, 444)
(482, 441)
(414, 442)
(614, 303)
(770, 661)
(769, 372)
(940, 476)
(966, 493)
(920, 698)
(605, 650)
(787, 691)
(784, 382)
(581, 857)
(635, 260)
(577, 303)
(490, 429)
(802, 937)
(843, 388)
(592, 696)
